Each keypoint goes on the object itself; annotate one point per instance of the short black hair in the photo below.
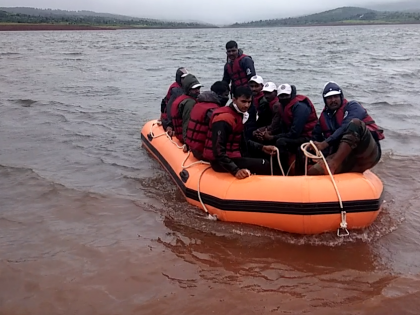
(242, 91)
(220, 87)
(231, 44)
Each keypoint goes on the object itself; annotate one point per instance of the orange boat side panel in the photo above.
(256, 200)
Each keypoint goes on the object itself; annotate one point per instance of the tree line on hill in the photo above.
(48, 16)
(343, 15)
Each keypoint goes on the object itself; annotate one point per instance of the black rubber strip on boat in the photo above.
(294, 208)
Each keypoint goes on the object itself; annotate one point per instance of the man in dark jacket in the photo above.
(225, 140)
(174, 90)
(239, 67)
(292, 125)
(259, 104)
(198, 125)
(182, 106)
(346, 134)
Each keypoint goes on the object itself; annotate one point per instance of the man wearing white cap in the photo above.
(256, 84)
(347, 134)
(266, 113)
(293, 125)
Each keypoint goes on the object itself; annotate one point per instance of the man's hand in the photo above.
(169, 131)
(242, 173)
(267, 136)
(258, 134)
(321, 145)
(269, 149)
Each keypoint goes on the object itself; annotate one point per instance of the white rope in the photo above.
(164, 134)
(193, 163)
(318, 156)
(210, 216)
(278, 160)
(160, 135)
(290, 167)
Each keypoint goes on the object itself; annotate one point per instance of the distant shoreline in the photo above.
(80, 27)
(328, 24)
(76, 27)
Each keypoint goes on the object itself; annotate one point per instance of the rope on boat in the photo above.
(163, 134)
(308, 155)
(210, 216)
(278, 160)
(318, 156)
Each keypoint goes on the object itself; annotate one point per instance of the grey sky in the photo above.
(211, 11)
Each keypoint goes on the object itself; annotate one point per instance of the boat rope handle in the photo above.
(318, 156)
(163, 134)
(278, 160)
(184, 167)
(210, 216)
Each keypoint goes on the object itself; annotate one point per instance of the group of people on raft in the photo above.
(263, 119)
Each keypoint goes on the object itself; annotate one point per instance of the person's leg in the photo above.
(357, 152)
(257, 166)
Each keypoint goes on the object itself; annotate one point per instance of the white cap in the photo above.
(331, 88)
(184, 72)
(196, 86)
(284, 89)
(269, 87)
(331, 93)
(257, 79)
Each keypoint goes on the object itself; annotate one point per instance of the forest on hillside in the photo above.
(48, 16)
(345, 15)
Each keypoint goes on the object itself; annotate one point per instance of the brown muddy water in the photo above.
(91, 224)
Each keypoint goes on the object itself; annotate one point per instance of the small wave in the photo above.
(73, 59)
(92, 91)
(391, 59)
(73, 53)
(24, 102)
(9, 54)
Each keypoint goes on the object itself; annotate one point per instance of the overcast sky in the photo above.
(211, 11)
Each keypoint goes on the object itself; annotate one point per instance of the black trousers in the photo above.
(258, 166)
(287, 146)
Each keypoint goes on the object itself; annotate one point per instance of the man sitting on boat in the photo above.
(182, 106)
(346, 134)
(198, 124)
(258, 105)
(225, 137)
(174, 90)
(269, 107)
(292, 125)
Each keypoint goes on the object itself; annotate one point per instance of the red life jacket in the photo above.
(236, 73)
(273, 102)
(233, 145)
(287, 115)
(164, 115)
(197, 127)
(256, 99)
(339, 116)
(176, 117)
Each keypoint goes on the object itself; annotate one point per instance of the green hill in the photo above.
(339, 16)
(402, 6)
(49, 16)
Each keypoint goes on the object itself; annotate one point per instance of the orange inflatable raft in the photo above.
(295, 204)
